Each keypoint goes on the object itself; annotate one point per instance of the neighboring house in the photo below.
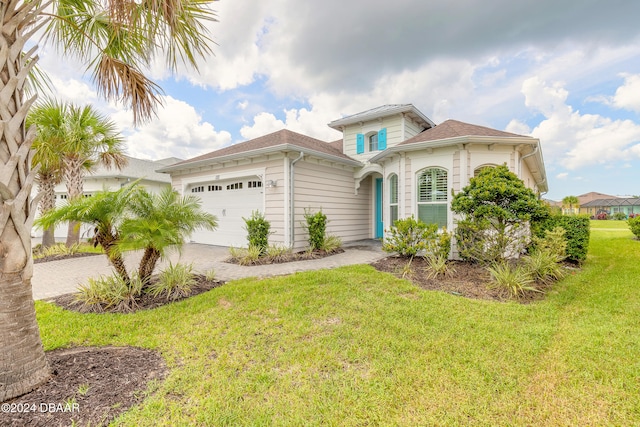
(626, 205)
(392, 162)
(102, 178)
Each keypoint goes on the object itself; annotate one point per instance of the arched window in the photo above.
(393, 198)
(433, 196)
(479, 169)
(373, 142)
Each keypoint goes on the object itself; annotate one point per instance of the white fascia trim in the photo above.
(258, 152)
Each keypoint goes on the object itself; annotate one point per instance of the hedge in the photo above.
(577, 229)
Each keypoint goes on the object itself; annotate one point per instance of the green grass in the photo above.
(353, 346)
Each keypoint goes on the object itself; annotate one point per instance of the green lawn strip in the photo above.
(354, 346)
(589, 376)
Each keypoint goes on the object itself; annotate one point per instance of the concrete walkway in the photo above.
(54, 278)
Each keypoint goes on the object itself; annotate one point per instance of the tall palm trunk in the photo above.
(46, 187)
(73, 178)
(23, 365)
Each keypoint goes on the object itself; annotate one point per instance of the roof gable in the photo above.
(280, 138)
(455, 129)
(384, 111)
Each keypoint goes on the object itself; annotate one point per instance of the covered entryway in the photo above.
(230, 201)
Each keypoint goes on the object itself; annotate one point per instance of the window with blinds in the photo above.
(393, 198)
(433, 196)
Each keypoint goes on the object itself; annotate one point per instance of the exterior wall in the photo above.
(268, 168)
(397, 129)
(331, 187)
(411, 128)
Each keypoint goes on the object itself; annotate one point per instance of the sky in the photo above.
(564, 71)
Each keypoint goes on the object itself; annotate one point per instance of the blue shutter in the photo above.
(359, 143)
(382, 139)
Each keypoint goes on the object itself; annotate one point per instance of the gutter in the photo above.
(292, 205)
(535, 151)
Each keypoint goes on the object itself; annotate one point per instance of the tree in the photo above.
(571, 203)
(495, 205)
(47, 158)
(105, 211)
(116, 38)
(159, 222)
(90, 139)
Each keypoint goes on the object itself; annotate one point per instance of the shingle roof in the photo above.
(619, 201)
(281, 137)
(135, 168)
(453, 129)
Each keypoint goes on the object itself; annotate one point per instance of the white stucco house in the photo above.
(102, 178)
(392, 162)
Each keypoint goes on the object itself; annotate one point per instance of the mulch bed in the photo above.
(465, 279)
(290, 257)
(88, 386)
(146, 301)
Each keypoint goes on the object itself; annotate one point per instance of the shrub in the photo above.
(174, 282)
(110, 293)
(331, 243)
(316, 226)
(553, 242)
(543, 266)
(277, 253)
(245, 256)
(514, 279)
(602, 216)
(634, 225)
(258, 231)
(577, 230)
(409, 236)
(437, 265)
(480, 241)
(619, 216)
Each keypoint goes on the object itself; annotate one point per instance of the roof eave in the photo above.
(257, 152)
(541, 179)
(337, 124)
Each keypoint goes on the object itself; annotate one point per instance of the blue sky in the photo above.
(565, 72)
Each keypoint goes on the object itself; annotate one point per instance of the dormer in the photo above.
(370, 132)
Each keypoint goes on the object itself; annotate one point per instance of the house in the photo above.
(103, 178)
(392, 162)
(610, 206)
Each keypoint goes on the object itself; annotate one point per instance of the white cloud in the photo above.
(628, 95)
(178, 131)
(576, 140)
(562, 175)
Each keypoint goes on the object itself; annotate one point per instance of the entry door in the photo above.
(379, 223)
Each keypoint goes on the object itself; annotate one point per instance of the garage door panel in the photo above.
(229, 206)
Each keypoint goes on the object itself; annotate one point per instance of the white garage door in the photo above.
(229, 201)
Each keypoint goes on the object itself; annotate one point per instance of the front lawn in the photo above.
(354, 346)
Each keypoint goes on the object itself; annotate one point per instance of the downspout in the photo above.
(535, 151)
(292, 205)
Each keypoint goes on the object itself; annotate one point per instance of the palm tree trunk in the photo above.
(23, 365)
(148, 264)
(73, 178)
(46, 188)
(115, 258)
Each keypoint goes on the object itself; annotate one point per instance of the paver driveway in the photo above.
(54, 278)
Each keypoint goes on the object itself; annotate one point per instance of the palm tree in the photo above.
(90, 139)
(105, 211)
(159, 222)
(571, 203)
(116, 38)
(48, 158)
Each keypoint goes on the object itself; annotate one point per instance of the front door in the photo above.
(379, 224)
